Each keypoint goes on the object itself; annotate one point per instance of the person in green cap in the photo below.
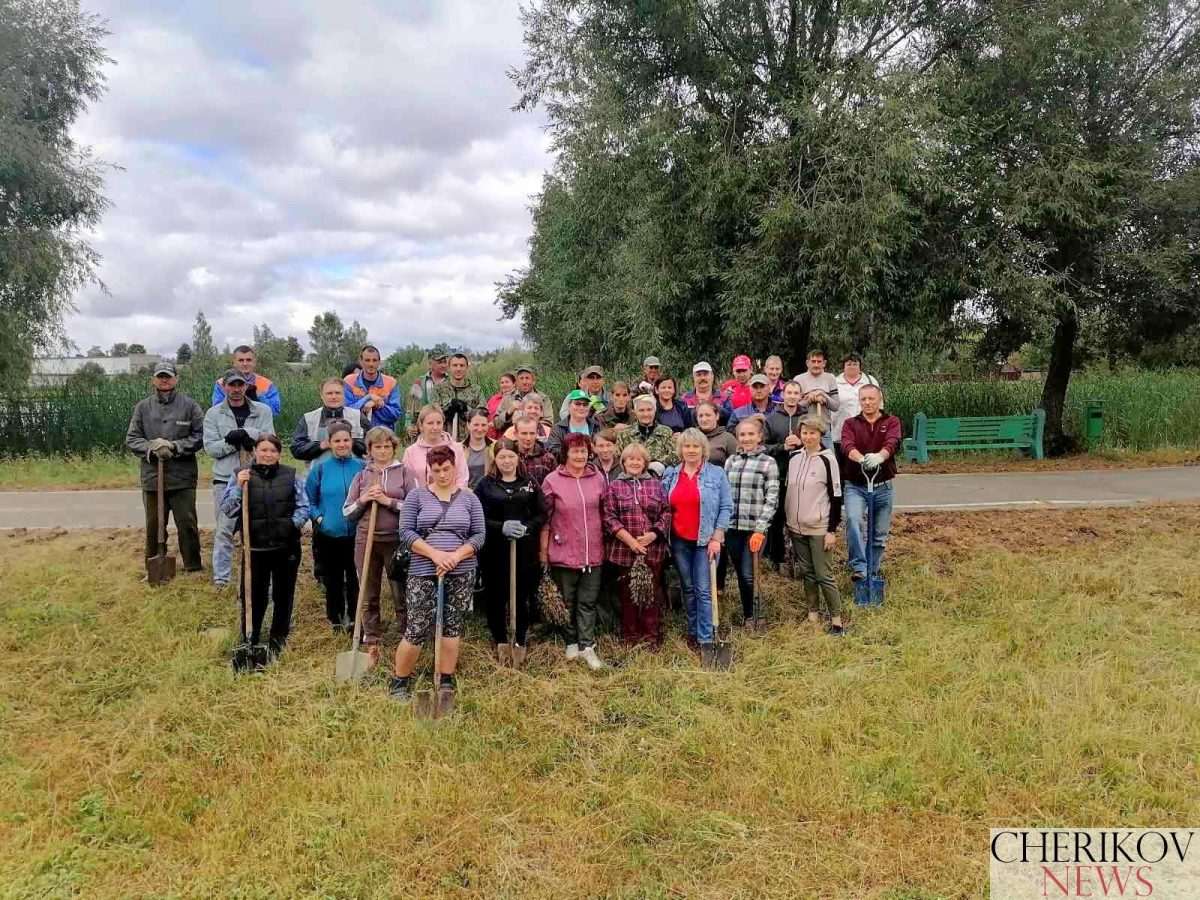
(579, 420)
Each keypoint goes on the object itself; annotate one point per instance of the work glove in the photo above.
(165, 452)
(251, 392)
(872, 461)
(756, 542)
(236, 437)
(456, 408)
(513, 529)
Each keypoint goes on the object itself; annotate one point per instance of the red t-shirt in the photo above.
(685, 506)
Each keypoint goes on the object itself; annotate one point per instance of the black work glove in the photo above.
(358, 447)
(247, 442)
(251, 392)
(237, 437)
(456, 408)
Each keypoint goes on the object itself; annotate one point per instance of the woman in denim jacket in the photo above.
(701, 506)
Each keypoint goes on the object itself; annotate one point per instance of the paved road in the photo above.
(1112, 487)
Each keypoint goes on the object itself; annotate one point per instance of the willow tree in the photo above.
(731, 172)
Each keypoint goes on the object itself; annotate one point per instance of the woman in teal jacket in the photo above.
(333, 534)
(701, 507)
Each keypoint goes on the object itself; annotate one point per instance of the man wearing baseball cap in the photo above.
(168, 427)
(760, 401)
(526, 384)
(702, 390)
(737, 391)
(421, 392)
(591, 382)
(651, 371)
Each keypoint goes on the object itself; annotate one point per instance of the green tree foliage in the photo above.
(88, 377)
(732, 172)
(119, 349)
(52, 69)
(1074, 127)
(183, 355)
(295, 353)
(333, 344)
(403, 357)
(273, 352)
(204, 350)
(96, 351)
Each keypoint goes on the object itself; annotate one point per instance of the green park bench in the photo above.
(1020, 433)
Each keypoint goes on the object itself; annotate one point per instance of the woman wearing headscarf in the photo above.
(442, 525)
(385, 482)
(637, 525)
(572, 542)
(431, 425)
(659, 440)
(514, 509)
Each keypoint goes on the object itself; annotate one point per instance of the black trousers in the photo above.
(777, 538)
(273, 577)
(180, 506)
(495, 592)
(335, 561)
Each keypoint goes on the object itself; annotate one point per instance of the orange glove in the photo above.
(756, 542)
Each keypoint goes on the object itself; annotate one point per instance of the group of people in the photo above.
(624, 483)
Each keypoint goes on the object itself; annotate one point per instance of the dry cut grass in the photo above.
(1031, 668)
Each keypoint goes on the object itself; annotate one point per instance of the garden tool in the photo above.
(436, 703)
(869, 591)
(718, 654)
(161, 568)
(757, 621)
(511, 654)
(247, 656)
(353, 664)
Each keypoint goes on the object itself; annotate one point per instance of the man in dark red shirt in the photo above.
(870, 441)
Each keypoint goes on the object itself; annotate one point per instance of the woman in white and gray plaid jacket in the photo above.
(754, 479)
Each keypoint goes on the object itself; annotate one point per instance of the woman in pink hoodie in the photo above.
(573, 542)
(432, 433)
(813, 510)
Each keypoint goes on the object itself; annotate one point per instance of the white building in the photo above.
(54, 370)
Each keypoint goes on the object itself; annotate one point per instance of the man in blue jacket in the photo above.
(259, 388)
(375, 395)
(333, 535)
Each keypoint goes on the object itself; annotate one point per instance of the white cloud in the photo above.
(278, 160)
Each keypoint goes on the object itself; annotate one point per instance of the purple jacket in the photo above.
(573, 534)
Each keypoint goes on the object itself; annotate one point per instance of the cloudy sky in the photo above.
(285, 157)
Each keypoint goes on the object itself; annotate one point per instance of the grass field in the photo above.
(1029, 669)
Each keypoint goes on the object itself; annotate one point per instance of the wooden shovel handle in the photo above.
(712, 587)
(512, 591)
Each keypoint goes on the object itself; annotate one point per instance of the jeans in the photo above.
(691, 559)
(179, 505)
(580, 592)
(222, 560)
(737, 545)
(856, 499)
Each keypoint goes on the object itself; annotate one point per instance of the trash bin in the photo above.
(1093, 423)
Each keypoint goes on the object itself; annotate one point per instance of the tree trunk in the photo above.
(1058, 377)
(796, 346)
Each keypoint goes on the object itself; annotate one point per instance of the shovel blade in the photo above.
(869, 591)
(519, 655)
(504, 652)
(445, 703)
(351, 665)
(425, 705)
(249, 658)
(716, 656)
(756, 623)
(160, 569)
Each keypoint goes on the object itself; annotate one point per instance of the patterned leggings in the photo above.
(422, 605)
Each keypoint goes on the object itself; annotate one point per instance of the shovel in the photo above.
(161, 568)
(247, 657)
(353, 664)
(757, 622)
(718, 654)
(869, 591)
(434, 704)
(511, 654)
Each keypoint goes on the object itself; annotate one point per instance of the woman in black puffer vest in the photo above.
(278, 510)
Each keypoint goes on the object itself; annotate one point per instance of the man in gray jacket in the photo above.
(167, 426)
(230, 430)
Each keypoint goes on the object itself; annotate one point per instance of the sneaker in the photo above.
(857, 576)
(594, 662)
(837, 630)
(572, 652)
(400, 688)
(693, 644)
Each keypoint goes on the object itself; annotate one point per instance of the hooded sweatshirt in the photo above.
(414, 460)
(397, 481)
(813, 502)
(574, 533)
(327, 486)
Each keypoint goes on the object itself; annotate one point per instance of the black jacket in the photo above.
(176, 418)
(522, 500)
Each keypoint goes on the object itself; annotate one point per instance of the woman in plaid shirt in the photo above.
(637, 523)
(754, 481)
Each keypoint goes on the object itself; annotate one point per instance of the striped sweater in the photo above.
(423, 517)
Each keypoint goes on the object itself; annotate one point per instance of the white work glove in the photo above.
(162, 448)
(872, 461)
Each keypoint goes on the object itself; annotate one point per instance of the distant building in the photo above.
(55, 370)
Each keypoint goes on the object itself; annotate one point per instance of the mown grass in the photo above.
(1030, 669)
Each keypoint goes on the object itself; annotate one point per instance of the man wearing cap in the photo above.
(760, 402)
(737, 391)
(591, 382)
(651, 372)
(375, 395)
(230, 430)
(820, 392)
(258, 387)
(457, 397)
(168, 427)
(421, 392)
(511, 404)
(702, 390)
(578, 420)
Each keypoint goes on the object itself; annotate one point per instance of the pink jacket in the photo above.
(573, 532)
(414, 460)
(813, 502)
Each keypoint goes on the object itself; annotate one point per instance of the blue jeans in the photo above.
(691, 559)
(222, 563)
(737, 545)
(856, 499)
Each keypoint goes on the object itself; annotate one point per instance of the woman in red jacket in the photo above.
(572, 542)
